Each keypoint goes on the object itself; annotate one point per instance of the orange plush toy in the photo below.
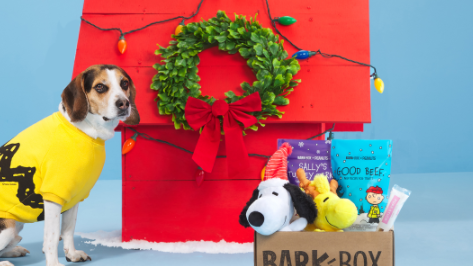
(304, 183)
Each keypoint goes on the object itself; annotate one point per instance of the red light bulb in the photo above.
(122, 44)
(129, 144)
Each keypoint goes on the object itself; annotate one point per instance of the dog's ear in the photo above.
(74, 98)
(243, 221)
(303, 203)
(134, 117)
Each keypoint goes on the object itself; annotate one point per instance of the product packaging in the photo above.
(397, 198)
(363, 170)
(311, 155)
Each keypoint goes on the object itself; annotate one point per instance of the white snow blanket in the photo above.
(114, 239)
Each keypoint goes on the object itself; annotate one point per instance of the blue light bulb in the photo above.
(303, 54)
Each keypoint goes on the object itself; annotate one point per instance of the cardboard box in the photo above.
(324, 248)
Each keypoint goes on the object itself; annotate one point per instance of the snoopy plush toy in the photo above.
(275, 203)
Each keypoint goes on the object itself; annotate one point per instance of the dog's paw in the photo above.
(6, 263)
(15, 253)
(76, 256)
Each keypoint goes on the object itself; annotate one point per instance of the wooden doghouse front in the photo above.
(161, 201)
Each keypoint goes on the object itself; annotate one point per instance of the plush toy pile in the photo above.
(320, 203)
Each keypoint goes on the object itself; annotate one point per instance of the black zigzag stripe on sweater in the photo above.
(22, 175)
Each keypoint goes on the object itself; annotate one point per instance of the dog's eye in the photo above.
(100, 88)
(124, 84)
(275, 193)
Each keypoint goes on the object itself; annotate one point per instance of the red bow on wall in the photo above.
(199, 113)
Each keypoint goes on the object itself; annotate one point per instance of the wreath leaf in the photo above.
(177, 77)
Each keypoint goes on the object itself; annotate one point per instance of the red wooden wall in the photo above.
(160, 200)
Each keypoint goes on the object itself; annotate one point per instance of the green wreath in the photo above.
(177, 77)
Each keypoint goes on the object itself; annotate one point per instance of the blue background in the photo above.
(422, 50)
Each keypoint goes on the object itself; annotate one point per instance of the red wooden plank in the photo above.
(332, 90)
(170, 163)
(344, 127)
(168, 211)
(187, 7)
(325, 31)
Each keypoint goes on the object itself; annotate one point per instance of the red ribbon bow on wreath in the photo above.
(199, 113)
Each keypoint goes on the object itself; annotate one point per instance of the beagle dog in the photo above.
(92, 105)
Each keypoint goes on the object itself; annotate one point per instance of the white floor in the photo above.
(434, 228)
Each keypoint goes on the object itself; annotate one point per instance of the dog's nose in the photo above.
(256, 218)
(122, 104)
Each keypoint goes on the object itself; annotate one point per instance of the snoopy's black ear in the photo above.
(243, 220)
(303, 203)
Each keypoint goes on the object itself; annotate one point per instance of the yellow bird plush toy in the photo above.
(334, 213)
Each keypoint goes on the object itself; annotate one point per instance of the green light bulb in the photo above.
(286, 20)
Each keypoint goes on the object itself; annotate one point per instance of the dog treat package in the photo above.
(363, 171)
(311, 155)
(397, 198)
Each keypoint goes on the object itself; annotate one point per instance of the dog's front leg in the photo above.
(52, 212)
(69, 219)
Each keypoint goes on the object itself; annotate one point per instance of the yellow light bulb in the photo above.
(179, 27)
(379, 85)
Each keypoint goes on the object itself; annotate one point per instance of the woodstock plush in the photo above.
(275, 202)
(334, 214)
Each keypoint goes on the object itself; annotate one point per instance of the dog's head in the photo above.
(272, 204)
(104, 90)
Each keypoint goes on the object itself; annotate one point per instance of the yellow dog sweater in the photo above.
(51, 160)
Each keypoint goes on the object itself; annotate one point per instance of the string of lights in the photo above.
(122, 42)
(129, 144)
(199, 173)
(304, 54)
(285, 20)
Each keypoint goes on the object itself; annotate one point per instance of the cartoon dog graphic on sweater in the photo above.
(50, 167)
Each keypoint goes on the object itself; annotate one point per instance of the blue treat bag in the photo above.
(363, 170)
(311, 155)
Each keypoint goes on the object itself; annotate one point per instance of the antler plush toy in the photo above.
(273, 204)
(334, 214)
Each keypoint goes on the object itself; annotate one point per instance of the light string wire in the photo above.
(148, 137)
(273, 22)
(150, 24)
